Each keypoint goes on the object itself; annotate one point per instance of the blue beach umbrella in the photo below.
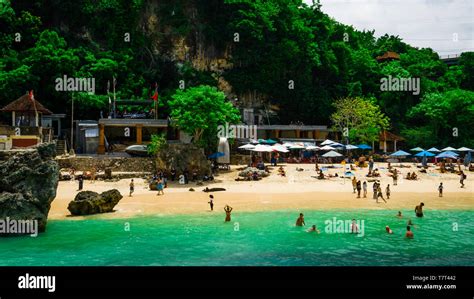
(400, 154)
(448, 154)
(425, 154)
(270, 141)
(364, 146)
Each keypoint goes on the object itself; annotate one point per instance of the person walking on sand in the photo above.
(419, 210)
(211, 202)
(159, 187)
(358, 187)
(300, 220)
(374, 188)
(440, 189)
(227, 210)
(387, 191)
(462, 177)
(354, 184)
(132, 188)
(379, 194)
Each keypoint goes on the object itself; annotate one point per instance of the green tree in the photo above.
(199, 110)
(157, 143)
(448, 117)
(360, 117)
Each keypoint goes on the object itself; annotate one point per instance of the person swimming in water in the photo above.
(419, 210)
(409, 233)
(228, 209)
(354, 227)
(387, 228)
(300, 220)
(399, 215)
(313, 228)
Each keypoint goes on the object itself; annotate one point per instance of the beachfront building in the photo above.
(388, 142)
(27, 126)
(117, 131)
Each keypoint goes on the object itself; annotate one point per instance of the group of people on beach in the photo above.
(357, 186)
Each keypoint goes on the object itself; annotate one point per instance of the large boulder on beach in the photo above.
(28, 183)
(89, 202)
(182, 157)
(250, 170)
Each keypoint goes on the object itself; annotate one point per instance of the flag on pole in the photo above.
(155, 95)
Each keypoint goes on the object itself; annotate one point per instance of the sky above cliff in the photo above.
(422, 23)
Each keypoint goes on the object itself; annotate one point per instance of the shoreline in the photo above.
(298, 191)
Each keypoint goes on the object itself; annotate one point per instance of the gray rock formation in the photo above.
(89, 202)
(182, 157)
(28, 182)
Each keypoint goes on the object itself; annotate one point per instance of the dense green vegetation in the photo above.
(274, 44)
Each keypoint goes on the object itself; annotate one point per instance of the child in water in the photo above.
(387, 228)
(313, 228)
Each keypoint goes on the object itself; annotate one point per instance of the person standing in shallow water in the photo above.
(300, 220)
(211, 202)
(227, 210)
(419, 210)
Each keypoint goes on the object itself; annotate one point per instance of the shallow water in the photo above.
(260, 238)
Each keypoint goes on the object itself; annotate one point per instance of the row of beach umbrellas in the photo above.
(269, 145)
(435, 150)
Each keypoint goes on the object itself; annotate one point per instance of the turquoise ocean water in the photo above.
(251, 239)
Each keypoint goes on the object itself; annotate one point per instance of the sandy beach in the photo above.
(298, 191)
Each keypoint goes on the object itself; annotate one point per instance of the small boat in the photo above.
(137, 150)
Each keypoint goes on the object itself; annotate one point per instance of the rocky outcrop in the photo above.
(183, 157)
(89, 202)
(28, 182)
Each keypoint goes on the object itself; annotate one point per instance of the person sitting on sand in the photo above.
(321, 175)
(228, 209)
(281, 171)
(312, 229)
(409, 233)
(375, 173)
(408, 176)
(300, 220)
(369, 175)
(388, 230)
(419, 210)
(414, 177)
(316, 167)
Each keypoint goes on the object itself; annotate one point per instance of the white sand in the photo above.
(297, 191)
